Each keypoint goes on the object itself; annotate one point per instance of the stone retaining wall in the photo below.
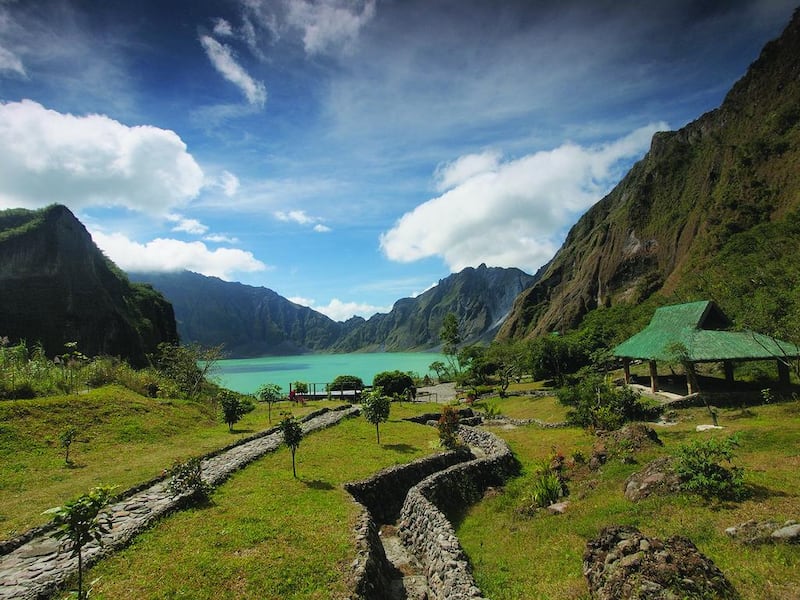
(424, 526)
(423, 522)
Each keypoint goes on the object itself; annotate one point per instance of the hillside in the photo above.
(57, 287)
(249, 321)
(256, 321)
(682, 222)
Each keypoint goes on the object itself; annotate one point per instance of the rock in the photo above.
(621, 563)
(558, 508)
(707, 427)
(754, 532)
(658, 477)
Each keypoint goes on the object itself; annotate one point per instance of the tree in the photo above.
(66, 438)
(451, 338)
(507, 360)
(292, 434)
(394, 383)
(376, 409)
(269, 393)
(78, 522)
(439, 368)
(188, 366)
(233, 409)
(344, 383)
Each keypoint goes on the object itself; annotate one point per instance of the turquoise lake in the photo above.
(247, 374)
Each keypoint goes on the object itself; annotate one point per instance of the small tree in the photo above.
(78, 522)
(269, 393)
(376, 409)
(232, 408)
(439, 368)
(292, 434)
(66, 438)
(451, 339)
(448, 427)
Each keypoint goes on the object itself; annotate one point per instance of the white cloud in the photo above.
(222, 28)
(221, 57)
(229, 183)
(341, 311)
(221, 239)
(301, 218)
(11, 63)
(328, 24)
(454, 173)
(511, 213)
(174, 255)
(93, 160)
(192, 226)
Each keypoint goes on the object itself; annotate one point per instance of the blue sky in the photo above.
(349, 153)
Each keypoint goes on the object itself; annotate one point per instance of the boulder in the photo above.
(754, 532)
(621, 563)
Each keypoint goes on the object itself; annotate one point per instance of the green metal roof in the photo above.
(697, 327)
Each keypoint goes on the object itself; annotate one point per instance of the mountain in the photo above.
(256, 321)
(249, 321)
(57, 287)
(481, 299)
(682, 219)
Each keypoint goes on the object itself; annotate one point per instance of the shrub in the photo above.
(698, 466)
(595, 402)
(187, 479)
(393, 383)
(547, 487)
(448, 428)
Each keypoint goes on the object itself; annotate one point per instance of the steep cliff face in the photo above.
(57, 287)
(249, 321)
(727, 172)
(481, 299)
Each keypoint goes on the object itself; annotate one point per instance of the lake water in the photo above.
(246, 375)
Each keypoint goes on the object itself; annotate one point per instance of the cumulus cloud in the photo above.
(192, 226)
(93, 160)
(339, 310)
(223, 60)
(174, 255)
(218, 238)
(11, 63)
(511, 213)
(320, 228)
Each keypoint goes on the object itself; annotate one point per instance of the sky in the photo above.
(349, 153)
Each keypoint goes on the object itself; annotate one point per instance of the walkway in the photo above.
(38, 568)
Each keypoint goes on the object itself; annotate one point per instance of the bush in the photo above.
(448, 428)
(595, 402)
(393, 383)
(187, 479)
(547, 487)
(698, 466)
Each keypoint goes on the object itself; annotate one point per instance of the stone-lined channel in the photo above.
(39, 566)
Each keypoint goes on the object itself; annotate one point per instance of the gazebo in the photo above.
(699, 332)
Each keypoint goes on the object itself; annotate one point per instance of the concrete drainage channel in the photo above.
(415, 554)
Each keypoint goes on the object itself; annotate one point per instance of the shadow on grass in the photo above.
(402, 448)
(760, 493)
(74, 465)
(318, 484)
(243, 430)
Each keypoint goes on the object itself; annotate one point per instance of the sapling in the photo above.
(376, 409)
(79, 522)
(292, 434)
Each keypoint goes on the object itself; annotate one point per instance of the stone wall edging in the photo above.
(427, 531)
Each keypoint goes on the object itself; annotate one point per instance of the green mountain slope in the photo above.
(57, 287)
(680, 221)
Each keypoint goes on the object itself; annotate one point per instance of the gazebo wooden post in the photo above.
(783, 373)
(626, 369)
(728, 364)
(653, 376)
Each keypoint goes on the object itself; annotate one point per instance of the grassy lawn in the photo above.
(266, 535)
(123, 439)
(517, 556)
(545, 408)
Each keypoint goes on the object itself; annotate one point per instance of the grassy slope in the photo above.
(541, 557)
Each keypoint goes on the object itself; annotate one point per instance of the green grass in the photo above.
(266, 535)
(517, 557)
(123, 439)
